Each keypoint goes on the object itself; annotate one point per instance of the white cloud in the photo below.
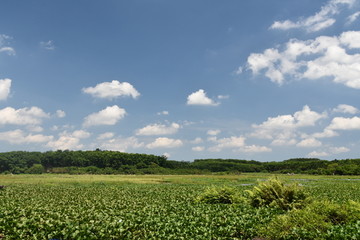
(158, 129)
(163, 113)
(200, 98)
(341, 123)
(60, 113)
(69, 141)
(106, 135)
(120, 144)
(164, 142)
(112, 90)
(327, 133)
(81, 134)
(3, 42)
(337, 150)
(329, 151)
(323, 57)
(107, 116)
(282, 127)
(353, 17)
(196, 140)
(344, 108)
(5, 85)
(213, 132)
(321, 20)
(309, 142)
(20, 137)
(318, 154)
(224, 143)
(223, 97)
(22, 116)
(48, 45)
(198, 149)
(34, 128)
(255, 149)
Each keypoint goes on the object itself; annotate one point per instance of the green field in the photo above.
(150, 206)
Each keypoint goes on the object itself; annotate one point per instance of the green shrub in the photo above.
(227, 195)
(275, 193)
(36, 169)
(312, 222)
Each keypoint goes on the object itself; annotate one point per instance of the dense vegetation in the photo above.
(65, 207)
(112, 162)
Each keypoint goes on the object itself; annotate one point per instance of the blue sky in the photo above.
(263, 80)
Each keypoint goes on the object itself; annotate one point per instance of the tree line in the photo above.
(113, 162)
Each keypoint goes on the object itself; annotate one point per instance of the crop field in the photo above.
(152, 207)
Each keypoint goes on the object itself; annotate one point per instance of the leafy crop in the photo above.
(102, 207)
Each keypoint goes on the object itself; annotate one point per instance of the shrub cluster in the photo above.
(301, 217)
(227, 195)
(275, 193)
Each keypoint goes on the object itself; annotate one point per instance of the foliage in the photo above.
(55, 206)
(275, 193)
(312, 222)
(36, 169)
(225, 194)
(77, 162)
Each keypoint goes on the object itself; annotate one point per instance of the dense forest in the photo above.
(112, 162)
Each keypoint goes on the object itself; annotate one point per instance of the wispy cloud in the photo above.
(48, 45)
(321, 20)
(3, 45)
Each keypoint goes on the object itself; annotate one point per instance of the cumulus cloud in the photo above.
(283, 126)
(255, 149)
(20, 137)
(22, 116)
(318, 154)
(285, 130)
(342, 123)
(335, 58)
(164, 142)
(120, 144)
(5, 85)
(60, 113)
(224, 143)
(111, 90)
(200, 98)
(329, 151)
(213, 132)
(69, 140)
(321, 20)
(106, 135)
(107, 116)
(309, 142)
(158, 129)
(198, 148)
(344, 108)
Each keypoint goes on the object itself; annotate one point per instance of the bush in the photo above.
(311, 222)
(226, 195)
(36, 169)
(275, 193)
